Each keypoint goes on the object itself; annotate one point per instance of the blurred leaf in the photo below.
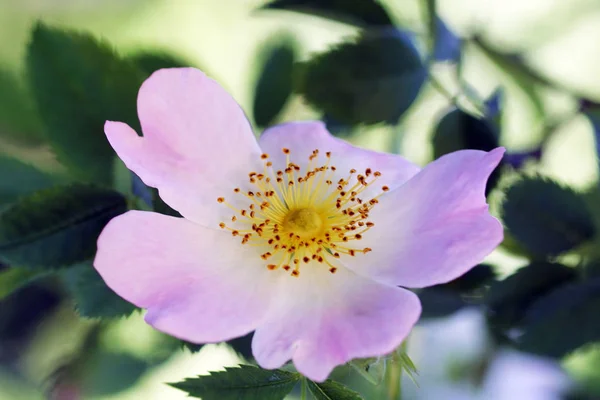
(150, 61)
(474, 278)
(440, 302)
(93, 299)
(563, 321)
(374, 79)
(18, 179)
(79, 83)
(593, 115)
(243, 346)
(332, 390)
(545, 218)
(246, 382)
(372, 369)
(362, 13)
(458, 130)
(111, 373)
(274, 85)
(12, 279)
(508, 299)
(58, 226)
(447, 45)
(19, 120)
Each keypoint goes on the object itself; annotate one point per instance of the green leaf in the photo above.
(274, 85)
(93, 299)
(332, 390)
(79, 83)
(545, 218)
(371, 80)
(458, 130)
(12, 279)
(111, 373)
(19, 120)
(18, 179)
(245, 382)
(372, 369)
(563, 321)
(507, 300)
(362, 13)
(58, 226)
(150, 61)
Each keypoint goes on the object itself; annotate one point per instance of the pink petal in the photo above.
(197, 143)
(435, 227)
(198, 284)
(322, 320)
(304, 137)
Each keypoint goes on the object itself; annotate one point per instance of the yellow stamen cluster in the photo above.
(298, 216)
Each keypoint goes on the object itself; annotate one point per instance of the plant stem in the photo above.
(304, 389)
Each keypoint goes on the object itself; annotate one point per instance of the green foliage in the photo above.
(93, 299)
(363, 13)
(12, 279)
(545, 218)
(246, 382)
(111, 373)
(18, 179)
(508, 300)
(332, 390)
(58, 226)
(79, 83)
(150, 61)
(371, 80)
(274, 85)
(563, 320)
(19, 121)
(458, 130)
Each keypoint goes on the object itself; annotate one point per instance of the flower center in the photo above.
(297, 216)
(305, 222)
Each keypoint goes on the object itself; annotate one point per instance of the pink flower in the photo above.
(299, 236)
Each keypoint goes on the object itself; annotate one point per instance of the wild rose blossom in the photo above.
(299, 236)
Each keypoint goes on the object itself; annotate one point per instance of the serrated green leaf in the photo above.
(12, 279)
(19, 120)
(78, 84)
(344, 85)
(545, 218)
(58, 226)
(18, 179)
(362, 13)
(246, 382)
(507, 300)
(274, 84)
(563, 321)
(92, 298)
(332, 390)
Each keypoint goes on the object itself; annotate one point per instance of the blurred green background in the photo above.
(558, 40)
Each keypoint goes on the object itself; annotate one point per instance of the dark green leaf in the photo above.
(19, 120)
(507, 300)
(332, 390)
(440, 302)
(563, 321)
(274, 85)
(150, 61)
(473, 279)
(362, 13)
(374, 79)
(458, 130)
(93, 299)
(243, 346)
(111, 373)
(79, 83)
(245, 382)
(545, 218)
(12, 279)
(18, 179)
(58, 226)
